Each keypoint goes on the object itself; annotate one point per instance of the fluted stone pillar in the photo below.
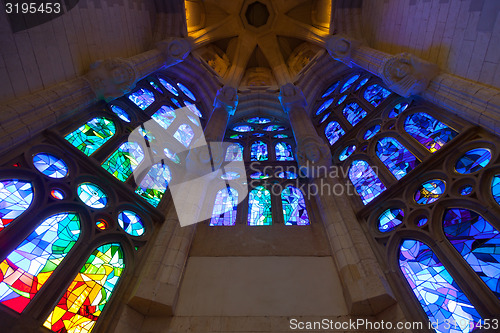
(407, 75)
(25, 117)
(364, 284)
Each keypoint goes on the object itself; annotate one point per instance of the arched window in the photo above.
(124, 160)
(259, 151)
(87, 295)
(91, 136)
(294, 206)
(439, 295)
(154, 184)
(365, 181)
(283, 152)
(259, 207)
(478, 243)
(333, 132)
(164, 116)
(353, 113)
(142, 98)
(427, 130)
(375, 94)
(184, 135)
(396, 157)
(225, 206)
(27, 268)
(234, 152)
(15, 197)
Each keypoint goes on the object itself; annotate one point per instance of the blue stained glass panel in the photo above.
(259, 207)
(243, 128)
(186, 91)
(396, 110)
(473, 160)
(172, 156)
(430, 191)
(92, 135)
(324, 106)
(192, 107)
(164, 116)
(57, 194)
(131, 223)
(287, 175)
(430, 132)
(230, 175)
(236, 136)
(122, 114)
(92, 195)
(184, 135)
(349, 83)
(375, 94)
(423, 221)
(50, 165)
(281, 136)
(354, 113)
(361, 83)
(365, 181)
(142, 98)
(259, 120)
(225, 207)
(390, 219)
(122, 163)
(234, 152)
(341, 99)
(15, 197)
(477, 241)
(169, 87)
(346, 152)
(294, 206)
(330, 89)
(370, 133)
(283, 152)
(154, 85)
(259, 151)
(272, 128)
(439, 295)
(495, 188)
(154, 184)
(258, 135)
(259, 175)
(176, 102)
(334, 132)
(325, 117)
(396, 157)
(466, 190)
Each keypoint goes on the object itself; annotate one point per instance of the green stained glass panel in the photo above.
(259, 207)
(91, 136)
(124, 160)
(154, 184)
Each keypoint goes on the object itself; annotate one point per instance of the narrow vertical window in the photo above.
(83, 302)
(259, 151)
(259, 207)
(154, 184)
(91, 136)
(430, 132)
(283, 152)
(365, 181)
(225, 207)
(15, 197)
(294, 206)
(396, 157)
(124, 160)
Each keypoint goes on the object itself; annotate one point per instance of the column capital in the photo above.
(313, 156)
(111, 78)
(340, 46)
(174, 50)
(227, 98)
(407, 75)
(291, 96)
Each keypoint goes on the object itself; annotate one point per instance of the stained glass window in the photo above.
(495, 188)
(346, 152)
(152, 83)
(365, 181)
(361, 83)
(169, 87)
(430, 132)
(234, 152)
(225, 207)
(15, 197)
(441, 298)
(154, 184)
(294, 206)
(466, 190)
(283, 152)
(192, 107)
(89, 137)
(259, 175)
(142, 98)
(334, 132)
(230, 175)
(57, 194)
(122, 114)
(92, 195)
(349, 83)
(124, 160)
(430, 191)
(50, 165)
(325, 117)
(184, 135)
(243, 128)
(370, 133)
(101, 224)
(396, 157)
(176, 102)
(477, 241)
(473, 160)
(259, 120)
(390, 219)
(83, 302)
(396, 110)
(236, 136)
(186, 91)
(131, 223)
(164, 116)
(259, 151)
(423, 221)
(259, 135)
(330, 89)
(172, 156)
(375, 94)
(280, 136)
(259, 207)
(324, 106)
(353, 113)
(271, 128)
(287, 175)
(341, 99)
(29, 266)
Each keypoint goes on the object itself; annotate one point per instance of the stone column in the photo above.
(407, 75)
(25, 117)
(364, 284)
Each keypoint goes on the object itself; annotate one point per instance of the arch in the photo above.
(234, 152)
(92, 135)
(283, 151)
(29, 266)
(333, 132)
(83, 302)
(154, 184)
(365, 181)
(259, 207)
(436, 290)
(15, 197)
(225, 207)
(124, 160)
(259, 151)
(396, 157)
(429, 131)
(294, 206)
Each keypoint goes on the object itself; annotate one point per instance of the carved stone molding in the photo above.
(407, 75)
(291, 97)
(111, 78)
(340, 47)
(174, 50)
(313, 156)
(227, 98)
